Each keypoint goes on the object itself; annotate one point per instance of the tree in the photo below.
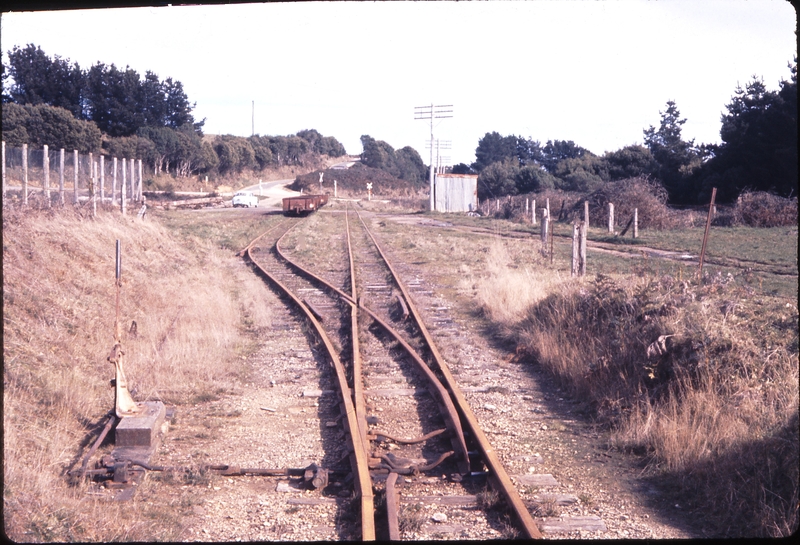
(129, 147)
(556, 151)
(676, 158)
(532, 178)
(759, 143)
(529, 152)
(43, 124)
(462, 168)
(377, 154)
(410, 165)
(493, 148)
(498, 179)
(165, 142)
(112, 99)
(40, 80)
(630, 162)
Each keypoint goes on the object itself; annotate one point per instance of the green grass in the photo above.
(775, 246)
(225, 228)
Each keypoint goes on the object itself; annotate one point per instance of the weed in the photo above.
(411, 518)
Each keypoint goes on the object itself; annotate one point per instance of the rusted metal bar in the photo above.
(503, 481)
(403, 307)
(708, 226)
(313, 310)
(358, 385)
(410, 441)
(109, 423)
(391, 507)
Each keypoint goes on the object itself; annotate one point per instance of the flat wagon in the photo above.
(304, 204)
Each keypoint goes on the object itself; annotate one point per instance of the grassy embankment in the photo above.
(195, 312)
(713, 409)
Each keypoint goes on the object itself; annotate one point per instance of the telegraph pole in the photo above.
(441, 160)
(432, 112)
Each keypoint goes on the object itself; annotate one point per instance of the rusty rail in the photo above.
(360, 463)
(498, 473)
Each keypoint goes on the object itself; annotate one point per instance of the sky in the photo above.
(594, 72)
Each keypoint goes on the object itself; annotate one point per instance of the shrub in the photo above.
(762, 209)
(648, 197)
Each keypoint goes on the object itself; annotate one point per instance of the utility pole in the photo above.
(432, 112)
(441, 160)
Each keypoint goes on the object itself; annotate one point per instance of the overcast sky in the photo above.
(595, 72)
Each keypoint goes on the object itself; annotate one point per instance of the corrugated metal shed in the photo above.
(455, 192)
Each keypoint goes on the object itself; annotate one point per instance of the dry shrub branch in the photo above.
(703, 380)
(59, 308)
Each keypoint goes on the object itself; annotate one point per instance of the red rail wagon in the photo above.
(304, 204)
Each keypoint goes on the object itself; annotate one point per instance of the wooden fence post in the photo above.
(75, 177)
(25, 174)
(61, 177)
(635, 223)
(140, 180)
(114, 183)
(4, 171)
(711, 209)
(611, 217)
(575, 250)
(133, 180)
(90, 182)
(533, 212)
(586, 213)
(123, 188)
(93, 167)
(583, 250)
(544, 231)
(46, 168)
(102, 179)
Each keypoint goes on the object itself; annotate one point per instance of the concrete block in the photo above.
(141, 430)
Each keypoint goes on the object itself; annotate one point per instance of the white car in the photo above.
(245, 198)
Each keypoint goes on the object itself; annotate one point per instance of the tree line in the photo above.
(104, 109)
(758, 153)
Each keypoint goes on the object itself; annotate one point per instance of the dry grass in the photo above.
(58, 295)
(713, 405)
(508, 289)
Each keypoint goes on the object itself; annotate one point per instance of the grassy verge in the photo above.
(193, 323)
(701, 379)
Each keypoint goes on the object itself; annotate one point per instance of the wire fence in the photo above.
(66, 176)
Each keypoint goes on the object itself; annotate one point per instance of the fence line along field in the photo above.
(640, 400)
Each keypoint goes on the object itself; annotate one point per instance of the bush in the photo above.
(648, 197)
(762, 209)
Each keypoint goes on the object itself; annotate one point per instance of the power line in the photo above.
(430, 113)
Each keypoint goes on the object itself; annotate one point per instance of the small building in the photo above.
(455, 192)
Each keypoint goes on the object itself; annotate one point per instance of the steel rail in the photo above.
(498, 472)
(358, 384)
(452, 420)
(361, 469)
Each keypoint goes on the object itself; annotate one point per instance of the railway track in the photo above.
(411, 436)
